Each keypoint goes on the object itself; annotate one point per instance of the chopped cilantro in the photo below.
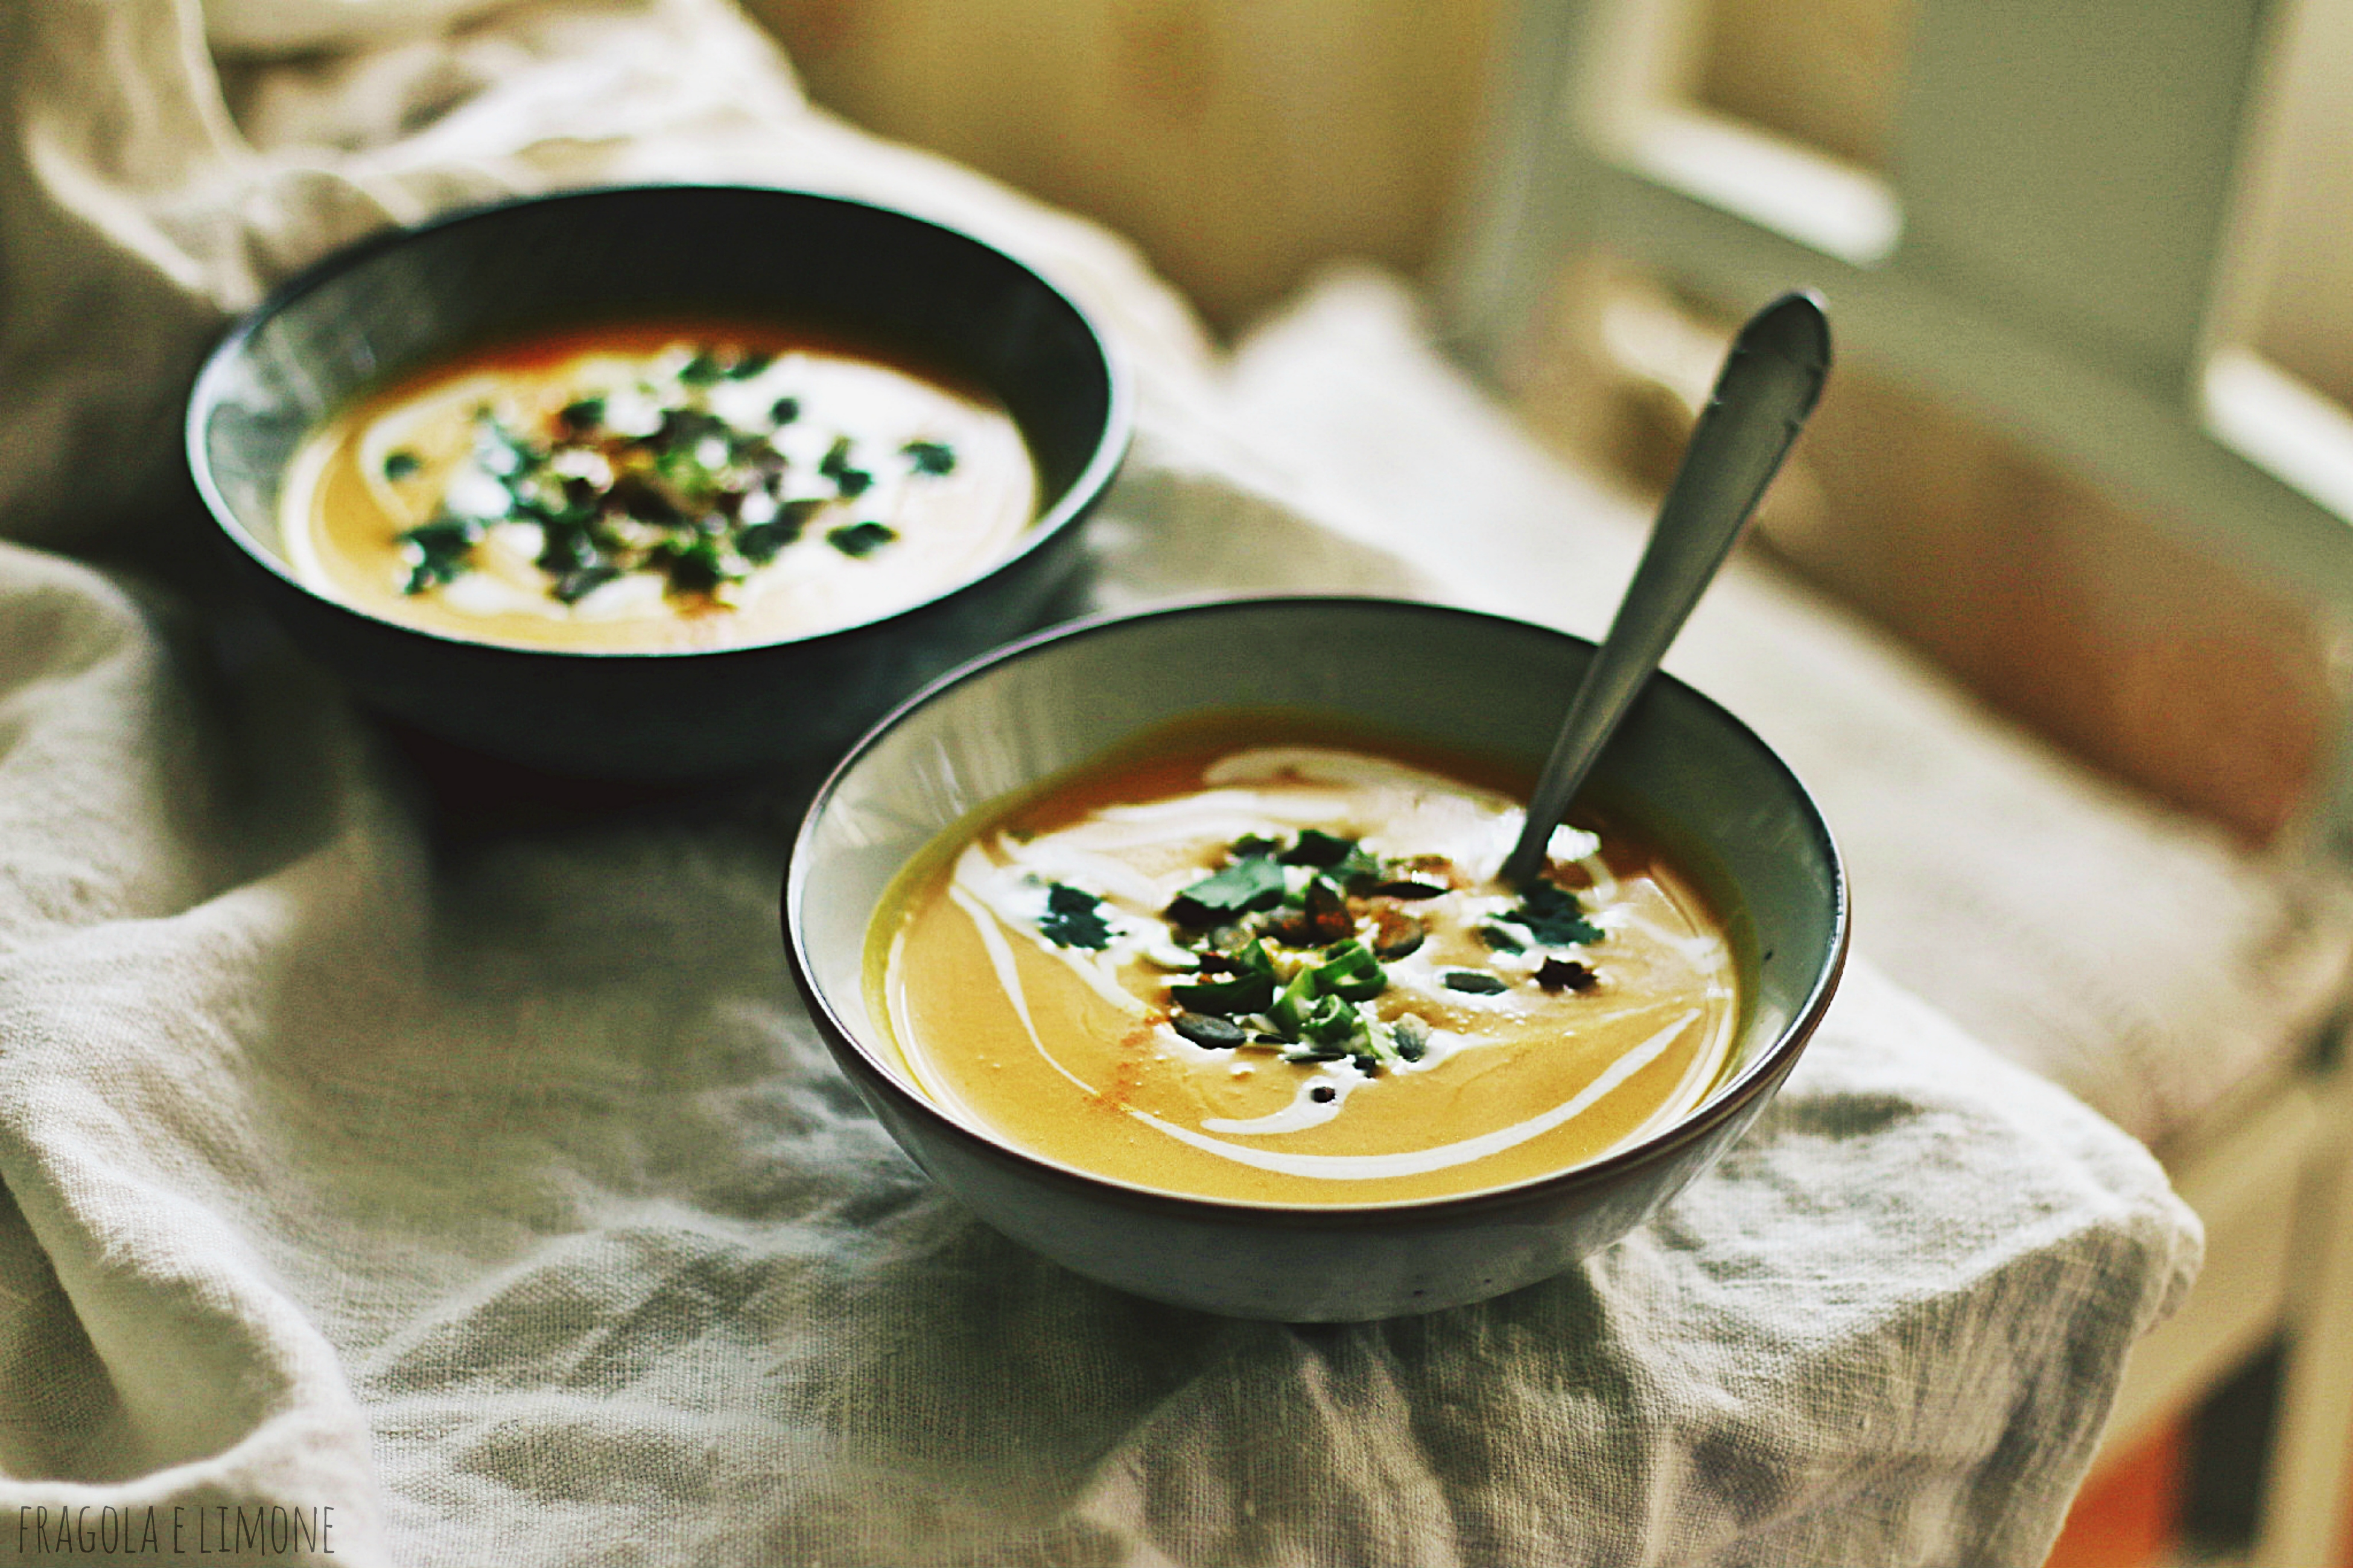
(1499, 939)
(576, 584)
(689, 497)
(438, 551)
(933, 457)
(1473, 982)
(1553, 916)
(695, 566)
(760, 541)
(835, 465)
(1073, 918)
(860, 538)
(1250, 882)
(1317, 849)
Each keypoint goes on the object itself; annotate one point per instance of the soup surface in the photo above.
(1288, 973)
(655, 488)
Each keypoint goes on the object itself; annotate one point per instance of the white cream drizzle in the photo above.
(1303, 1112)
(1000, 958)
(1445, 1156)
(1017, 901)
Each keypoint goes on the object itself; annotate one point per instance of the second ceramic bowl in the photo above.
(861, 272)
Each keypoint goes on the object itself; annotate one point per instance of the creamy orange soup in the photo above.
(1280, 973)
(656, 488)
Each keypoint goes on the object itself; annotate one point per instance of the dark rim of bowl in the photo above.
(1076, 501)
(1756, 1077)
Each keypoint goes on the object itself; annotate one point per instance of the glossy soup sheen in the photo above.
(658, 486)
(1432, 1031)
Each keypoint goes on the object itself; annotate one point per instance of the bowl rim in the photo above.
(203, 394)
(1756, 1077)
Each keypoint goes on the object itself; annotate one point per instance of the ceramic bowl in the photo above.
(1727, 809)
(865, 273)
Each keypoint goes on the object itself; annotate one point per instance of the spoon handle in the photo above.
(1767, 386)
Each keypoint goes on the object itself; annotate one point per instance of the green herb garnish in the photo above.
(1349, 971)
(1234, 994)
(1315, 847)
(499, 450)
(1073, 918)
(1554, 917)
(1473, 982)
(759, 541)
(1500, 940)
(402, 464)
(860, 538)
(702, 370)
(574, 586)
(1250, 882)
(933, 458)
(438, 551)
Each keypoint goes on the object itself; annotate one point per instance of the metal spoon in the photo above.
(1769, 382)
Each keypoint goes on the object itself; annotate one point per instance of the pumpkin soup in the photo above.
(655, 488)
(1240, 969)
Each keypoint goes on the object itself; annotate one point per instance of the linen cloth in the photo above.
(460, 1161)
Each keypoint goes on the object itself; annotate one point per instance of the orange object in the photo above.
(2128, 1514)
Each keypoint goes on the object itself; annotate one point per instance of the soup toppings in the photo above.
(643, 489)
(1289, 973)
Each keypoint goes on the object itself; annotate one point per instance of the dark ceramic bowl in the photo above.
(1727, 808)
(863, 273)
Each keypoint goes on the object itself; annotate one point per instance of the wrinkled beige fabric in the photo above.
(458, 1172)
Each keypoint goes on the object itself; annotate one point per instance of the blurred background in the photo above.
(2088, 449)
